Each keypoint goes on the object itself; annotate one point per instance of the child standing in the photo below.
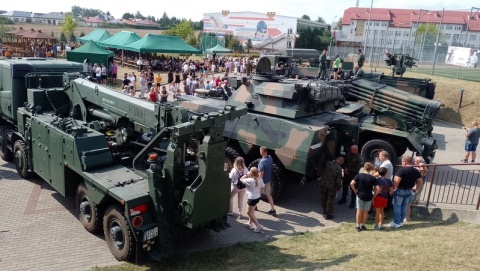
(254, 186)
(383, 192)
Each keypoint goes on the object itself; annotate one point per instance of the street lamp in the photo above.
(295, 37)
(333, 23)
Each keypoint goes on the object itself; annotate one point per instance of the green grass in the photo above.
(420, 245)
(455, 72)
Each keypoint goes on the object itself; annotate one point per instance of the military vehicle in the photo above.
(400, 63)
(147, 175)
(304, 123)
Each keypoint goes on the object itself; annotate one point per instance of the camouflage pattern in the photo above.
(303, 123)
(405, 116)
(331, 182)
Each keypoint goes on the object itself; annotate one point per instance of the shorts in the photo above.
(380, 202)
(470, 147)
(158, 84)
(104, 77)
(267, 190)
(114, 75)
(335, 69)
(363, 205)
(252, 202)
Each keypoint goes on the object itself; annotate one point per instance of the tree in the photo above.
(192, 40)
(127, 16)
(69, 24)
(82, 34)
(73, 38)
(63, 38)
(320, 20)
(182, 30)
(79, 12)
(139, 15)
(249, 45)
(5, 20)
(339, 24)
(164, 21)
(232, 42)
(306, 17)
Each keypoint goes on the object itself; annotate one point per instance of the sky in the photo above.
(193, 9)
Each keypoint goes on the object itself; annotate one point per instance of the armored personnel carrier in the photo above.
(305, 123)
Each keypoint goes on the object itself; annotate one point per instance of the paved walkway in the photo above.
(39, 229)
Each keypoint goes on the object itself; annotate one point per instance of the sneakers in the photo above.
(328, 217)
(363, 228)
(342, 201)
(231, 214)
(394, 225)
(464, 161)
(249, 226)
(377, 227)
(259, 228)
(272, 212)
(358, 229)
(473, 161)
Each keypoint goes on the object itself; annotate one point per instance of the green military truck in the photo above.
(305, 123)
(144, 174)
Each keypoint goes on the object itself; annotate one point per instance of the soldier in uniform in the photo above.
(331, 182)
(353, 163)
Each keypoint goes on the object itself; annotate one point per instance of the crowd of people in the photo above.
(374, 188)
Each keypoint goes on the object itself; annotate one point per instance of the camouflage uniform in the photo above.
(331, 182)
(353, 163)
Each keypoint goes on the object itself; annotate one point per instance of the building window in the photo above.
(398, 33)
(382, 32)
(442, 27)
(289, 44)
(455, 36)
(289, 31)
(449, 27)
(351, 31)
(473, 37)
(351, 23)
(462, 37)
(448, 36)
(376, 24)
(384, 24)
(397, 42)
(458, 28)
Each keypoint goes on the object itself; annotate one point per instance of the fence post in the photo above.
(461, 98)
(431, 185)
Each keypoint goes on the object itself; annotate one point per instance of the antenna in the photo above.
(357, 3)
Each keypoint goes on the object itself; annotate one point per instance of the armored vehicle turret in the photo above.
(305, 123)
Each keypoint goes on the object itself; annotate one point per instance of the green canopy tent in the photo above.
(96, 35)
(219, 49)
(152, 43)
(119, 40)
(93, 52)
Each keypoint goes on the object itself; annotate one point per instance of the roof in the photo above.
(38, 35)
(53, 15)
(92, 51)
(152, 43)
(147, 22)
(92, 47)
(92, 20)
(119, 40)
(218, 49)
(405, 17)
(96, 35)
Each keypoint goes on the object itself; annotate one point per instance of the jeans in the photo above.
(401, 199)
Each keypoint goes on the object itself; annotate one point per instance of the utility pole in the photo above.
(368, 28)
(420, 15)
(468, 24)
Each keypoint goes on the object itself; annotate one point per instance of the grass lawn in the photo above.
(419, 245)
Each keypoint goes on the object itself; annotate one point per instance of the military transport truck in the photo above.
(305, 123)
(145, 174)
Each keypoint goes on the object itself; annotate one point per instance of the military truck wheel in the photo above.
(88, 211)
(118, 234)
(21, 159)
(5, 153)
(371, 149)
(230, 155)
(276, 185)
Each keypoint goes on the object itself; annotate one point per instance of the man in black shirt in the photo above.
(363, 185)
(125, 82)
(405, 179)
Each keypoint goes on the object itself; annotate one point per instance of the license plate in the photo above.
(150, 234)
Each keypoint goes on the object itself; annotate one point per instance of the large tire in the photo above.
(88, 211)
(5, 153)
(118, 234)
(371, 149)
(277, 184)
(230, 155)
(21, 159)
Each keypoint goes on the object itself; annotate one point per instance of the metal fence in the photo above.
(430, 53)
(457, 184)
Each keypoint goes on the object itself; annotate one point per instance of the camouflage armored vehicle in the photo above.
(146, 175)
(304, 123)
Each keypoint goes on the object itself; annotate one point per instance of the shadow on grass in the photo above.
(450, 115)
(243, 256)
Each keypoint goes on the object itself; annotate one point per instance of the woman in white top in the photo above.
(254, 187)
(239, 169)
